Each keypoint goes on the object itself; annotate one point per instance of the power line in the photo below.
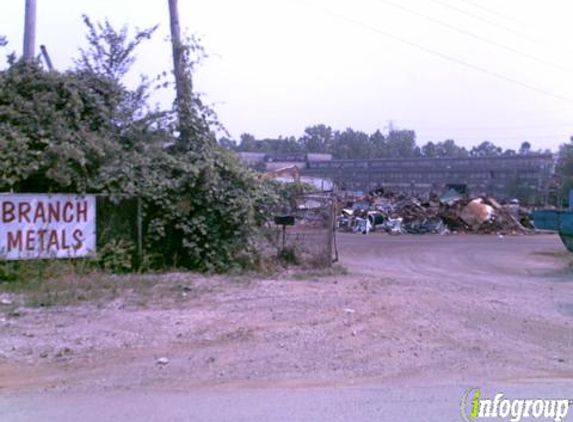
(566, 125)
(498, 138)
(482, 19)
(451, 58)
(487, 9)
(542, 41)
(478, 37)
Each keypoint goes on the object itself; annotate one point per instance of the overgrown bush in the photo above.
(116, 256)
(83, 131)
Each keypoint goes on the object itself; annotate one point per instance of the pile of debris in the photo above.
(448, 213)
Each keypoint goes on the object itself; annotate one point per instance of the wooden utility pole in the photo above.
(30, 30)
(190, 124)
(178, 65)
(183, 82)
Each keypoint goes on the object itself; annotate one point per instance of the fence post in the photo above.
(330, 235)
(139, 233)
(334, 214)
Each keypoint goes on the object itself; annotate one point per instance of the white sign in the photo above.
(39, 226)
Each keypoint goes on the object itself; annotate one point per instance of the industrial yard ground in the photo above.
(397, 332)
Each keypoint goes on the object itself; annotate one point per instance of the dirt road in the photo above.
(413, 316)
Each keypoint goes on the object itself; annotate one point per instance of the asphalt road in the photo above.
(361, 403)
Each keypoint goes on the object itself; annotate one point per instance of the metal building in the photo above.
(525, 177)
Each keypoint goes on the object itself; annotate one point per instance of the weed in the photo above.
(116, 256)
(555, 254)
(333, 271)
(289, 256)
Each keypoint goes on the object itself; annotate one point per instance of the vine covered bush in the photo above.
(83, 131)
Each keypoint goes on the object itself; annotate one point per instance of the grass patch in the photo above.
(333, 271)
(72, 282)
(73, 289)
(63, 285)
(564, 255)
(556, 254)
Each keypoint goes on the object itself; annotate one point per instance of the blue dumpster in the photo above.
(560, 221)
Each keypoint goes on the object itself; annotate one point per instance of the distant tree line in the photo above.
(353, 144)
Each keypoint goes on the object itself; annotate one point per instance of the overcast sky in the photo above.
(469, 70)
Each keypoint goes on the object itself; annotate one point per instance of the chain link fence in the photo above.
(303, 232)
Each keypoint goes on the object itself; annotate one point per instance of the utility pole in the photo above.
(177, 49)
(30, 30)
(183, 81)
(190, 123)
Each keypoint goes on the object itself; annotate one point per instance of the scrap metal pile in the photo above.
(448, 213)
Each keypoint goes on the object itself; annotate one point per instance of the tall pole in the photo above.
(183, 82)
(46, 56)
(177, 49)
(30, 30)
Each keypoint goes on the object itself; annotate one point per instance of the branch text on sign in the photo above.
(38, 226)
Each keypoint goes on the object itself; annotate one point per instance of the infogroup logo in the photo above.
(475, 407)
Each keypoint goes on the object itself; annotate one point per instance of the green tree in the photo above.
(377, 145)
(525, 148)
(249, 143)
(56, 129)
(350, 144)
(564, 168)
(443, 149)
(227, 143)
(402, 144)
(449, 148)
(486, 149)
(430, 150)
(110, 52)
(317, 138)
(283, 145)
